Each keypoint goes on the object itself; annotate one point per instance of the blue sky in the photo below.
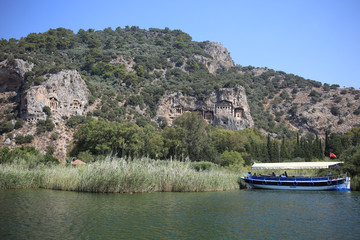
(315, 39)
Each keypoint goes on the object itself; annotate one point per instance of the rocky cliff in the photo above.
(220, 57)
(65, 93)
(12, 74)
(227, 107)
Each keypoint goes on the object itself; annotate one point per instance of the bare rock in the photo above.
(12, 74)
(227, 107)
(220, 57)
(7, 141)
(65, 93)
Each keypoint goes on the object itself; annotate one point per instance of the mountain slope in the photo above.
(129, 71)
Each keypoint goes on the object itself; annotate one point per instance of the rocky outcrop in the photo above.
(65, 93)
(337, 110)
(226, 107)
(220, 57)
(12, 74)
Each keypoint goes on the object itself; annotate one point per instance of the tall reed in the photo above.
(119, 175)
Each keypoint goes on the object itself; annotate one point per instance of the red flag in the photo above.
(332, 155)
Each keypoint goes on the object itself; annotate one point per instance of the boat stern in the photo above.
(345, 186)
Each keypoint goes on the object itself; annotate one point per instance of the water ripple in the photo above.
(45, 214)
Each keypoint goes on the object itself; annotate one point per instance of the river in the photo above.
(243, 214)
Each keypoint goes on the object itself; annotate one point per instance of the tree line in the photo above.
(190, 137)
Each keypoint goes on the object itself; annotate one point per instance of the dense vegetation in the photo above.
(190, 137)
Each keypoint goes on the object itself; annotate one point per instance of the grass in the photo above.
(118, 175)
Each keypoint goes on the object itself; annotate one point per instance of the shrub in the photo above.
(343, 91)
(337, 99)
(326, 87)
(29, 138)
(47, 110)
(24, 152)
(315, 96)
(334, 86)
(75, 120)
(335, 111)
(135, 100)
(229, 158)
(86, 156)
(97, 113)
(91, 100)
(54, 136)
(6, 127)
(44, 125)
(20, 139)
(357, 111)
(19, 123)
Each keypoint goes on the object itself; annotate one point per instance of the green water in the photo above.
(246, 214)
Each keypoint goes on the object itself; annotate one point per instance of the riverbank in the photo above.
(118, 175)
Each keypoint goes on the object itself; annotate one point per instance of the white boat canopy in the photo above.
(295, 165)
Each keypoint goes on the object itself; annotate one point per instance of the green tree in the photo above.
(195, 136)
(334, 144)
(284, 153)
(269, 149)
(317, 148)
(153, 143)
(173, 142)
(229, 158)
(140, 71)
(131, 79)
(351, 158)
(101, 137)
(94, 43)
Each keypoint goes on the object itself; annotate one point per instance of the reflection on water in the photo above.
(46, 214)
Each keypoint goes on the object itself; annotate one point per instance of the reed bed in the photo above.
(118, 175)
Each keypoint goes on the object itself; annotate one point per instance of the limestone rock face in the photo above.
(227, 107)
(220, 57)
(12, 74)
(7, 141)
(65, 93)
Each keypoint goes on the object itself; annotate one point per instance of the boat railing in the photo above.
(294, 178)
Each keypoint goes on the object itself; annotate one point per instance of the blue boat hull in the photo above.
(303, 183)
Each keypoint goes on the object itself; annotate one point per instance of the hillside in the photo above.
(151, 77)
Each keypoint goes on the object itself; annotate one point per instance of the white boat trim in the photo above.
(295, 165)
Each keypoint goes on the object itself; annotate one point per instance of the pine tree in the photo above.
(317, 148)
(269, 149)
(327, 146)
(284, 154)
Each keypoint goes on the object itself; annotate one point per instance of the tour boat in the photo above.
(284, 182)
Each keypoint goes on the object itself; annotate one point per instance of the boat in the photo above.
(284, 182)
